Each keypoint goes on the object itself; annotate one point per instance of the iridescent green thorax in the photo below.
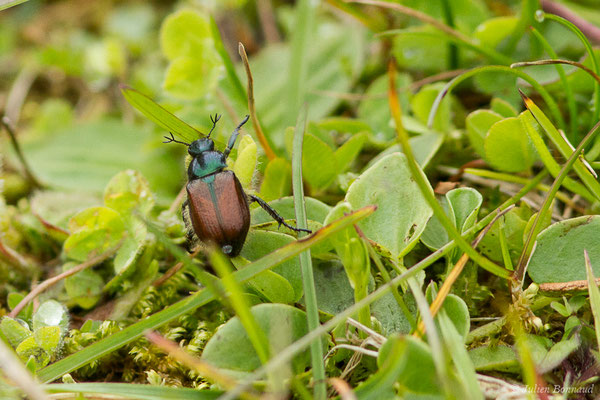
(206, 163)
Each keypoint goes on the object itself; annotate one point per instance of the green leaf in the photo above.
(351, 250)
(75, 159)
(390, 315)
(462, 206)
(316, 210)
(465, 371)
(95, 229)
(14, 331)
(420, 48)
(85, 287)
(127, 191)
(508, 147)
(13, 299)
(30, 352)
(260, 243)
(495, 358)
(273, 287)
(185, 33)
(245, 162)
(494, 30)
(334, 61)
(457, 311)
(349, 151)
(478, 124)
(48, 338)
(374, 109)
(503, 108)
(424, 148)
(319, 166)
(231, 350)
(558, 254)
(277, 179)
(334, 293)
(416, 373)
(51, 313)
(190, 77)
(422, 102)
(159, 115)
(402, 211)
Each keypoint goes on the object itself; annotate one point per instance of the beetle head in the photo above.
(199, 146)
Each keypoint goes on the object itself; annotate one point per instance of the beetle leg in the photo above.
(192, 239)
(265, 206)
(234, 136)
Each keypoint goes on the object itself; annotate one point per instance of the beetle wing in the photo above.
(219, 210)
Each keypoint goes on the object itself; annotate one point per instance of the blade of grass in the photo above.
(424, 186)
(563, 147)
(202, 297)
(519, 272)
(564, 197)
(159, 115)
(298, 68)
(571, 105)
(437, 351)
(464, 368)
(552, 106)
(288, 353)
(4, 4)
(549, 162)
(136, 391)
(594, 294)
(588, 46)
(308, 281)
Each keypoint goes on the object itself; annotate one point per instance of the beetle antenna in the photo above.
(234, 136)
(172, 140)
(214, 121)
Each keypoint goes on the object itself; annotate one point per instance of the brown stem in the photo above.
(259, 132)
(55, 279)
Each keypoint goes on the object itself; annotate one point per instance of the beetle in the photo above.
(217, 208)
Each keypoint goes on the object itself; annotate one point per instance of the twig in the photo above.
(6, 123)
(55, 279)
(553, 61)
(590, 30)
(259, 132)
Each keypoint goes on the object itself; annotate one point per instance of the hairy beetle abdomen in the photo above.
(218, 210)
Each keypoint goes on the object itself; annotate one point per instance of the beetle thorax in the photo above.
(206, 163)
